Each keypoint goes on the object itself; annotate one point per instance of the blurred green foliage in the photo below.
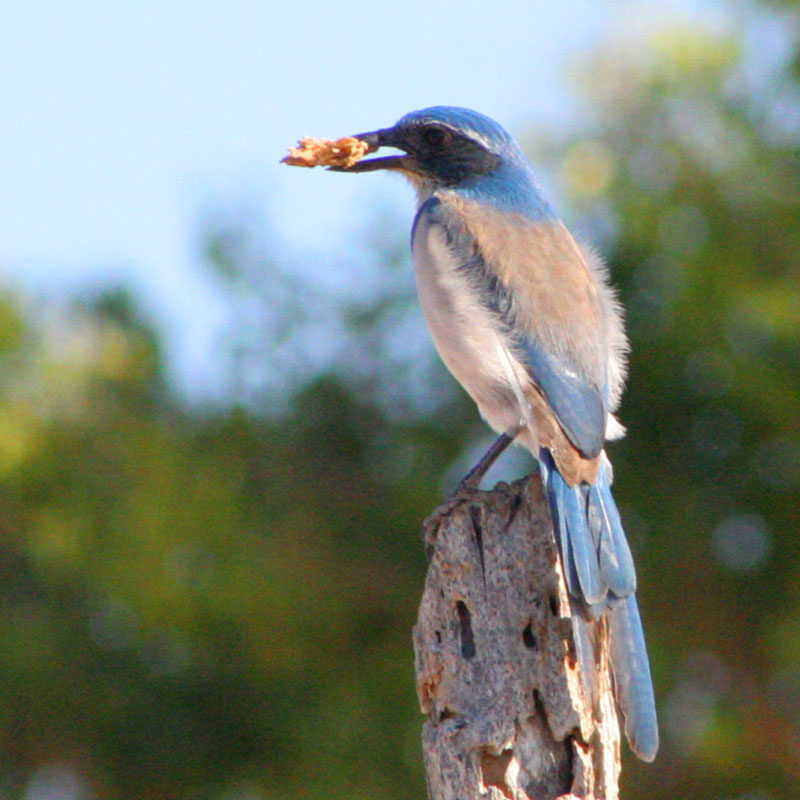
(217, 602)
(700, 180)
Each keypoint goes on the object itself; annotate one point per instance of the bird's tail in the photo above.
(600, 576)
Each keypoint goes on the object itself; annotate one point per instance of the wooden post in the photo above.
(509, 715)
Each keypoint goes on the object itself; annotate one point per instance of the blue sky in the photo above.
(123, 121)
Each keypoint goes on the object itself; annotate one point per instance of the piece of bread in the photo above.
(313, 152)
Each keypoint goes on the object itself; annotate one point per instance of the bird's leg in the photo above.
(468, 485)
(475, 475)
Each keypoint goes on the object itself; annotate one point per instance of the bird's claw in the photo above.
(465, 493)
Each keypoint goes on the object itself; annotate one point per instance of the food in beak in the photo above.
(313, 152)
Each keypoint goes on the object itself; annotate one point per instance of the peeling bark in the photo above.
(510, 717)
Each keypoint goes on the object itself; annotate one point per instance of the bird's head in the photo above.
(449, 148)
(442, 145)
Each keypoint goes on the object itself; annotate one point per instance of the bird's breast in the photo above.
(466, 334)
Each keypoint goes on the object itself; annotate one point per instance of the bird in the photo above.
(526, 320)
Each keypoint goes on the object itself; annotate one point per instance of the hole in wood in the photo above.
(493, 771)
(465, 630)
(529, 639)
(554, 606)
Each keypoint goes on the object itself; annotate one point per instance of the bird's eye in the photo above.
(436, 137)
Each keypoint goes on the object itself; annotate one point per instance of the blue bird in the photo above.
(525, 319)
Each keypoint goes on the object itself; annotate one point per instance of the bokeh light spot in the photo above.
(716, 434)
(778, 463)
(588, 167)
(742, 543)
(56, 781)
(114, 625)
(708, 373)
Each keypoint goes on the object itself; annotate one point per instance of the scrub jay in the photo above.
(526, 321)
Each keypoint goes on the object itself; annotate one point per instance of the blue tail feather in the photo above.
(579, 556)
(555, 496)
(601, 577)
(616, 561)
(632, 681)
(584, 549)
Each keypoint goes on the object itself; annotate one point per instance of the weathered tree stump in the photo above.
(509, 714)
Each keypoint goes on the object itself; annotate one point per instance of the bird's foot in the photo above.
(467, 488)
(465, 492)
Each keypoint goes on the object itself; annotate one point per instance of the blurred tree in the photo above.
(182, 590)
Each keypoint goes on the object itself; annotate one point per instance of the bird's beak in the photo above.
(386, 137)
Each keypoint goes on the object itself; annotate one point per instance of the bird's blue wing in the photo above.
(578, 405)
